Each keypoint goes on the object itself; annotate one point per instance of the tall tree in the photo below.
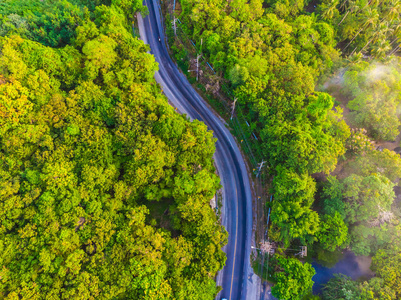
(293, 279)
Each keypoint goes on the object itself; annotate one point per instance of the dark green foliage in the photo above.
(326, 258)
(343, 287)
(54, 22)
(51, 23)
(385, 286)
(333, 197)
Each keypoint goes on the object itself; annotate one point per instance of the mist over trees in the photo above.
(276, 55)
(105, 190)
(364, 27)
(376, 96)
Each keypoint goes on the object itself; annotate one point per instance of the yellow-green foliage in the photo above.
(87, 141)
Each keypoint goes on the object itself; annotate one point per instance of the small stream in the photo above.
(351, 265)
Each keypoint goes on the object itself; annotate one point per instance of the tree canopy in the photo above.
(364, 27)
(343, 287)
(333, 231)
(376, 94)
(387, 264)
(92, 159)
(272, 58)
(293, 279)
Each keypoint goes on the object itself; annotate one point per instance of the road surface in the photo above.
(237, 199)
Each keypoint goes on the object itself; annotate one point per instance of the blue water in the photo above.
(350, 265)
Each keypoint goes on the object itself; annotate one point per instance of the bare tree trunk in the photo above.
(380, 3)
(343, 17)
(354, 37)
(341, 6)
(367, 44)
(395, 50)
(393, 41)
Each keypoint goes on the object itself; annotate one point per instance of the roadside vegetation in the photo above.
(319, 83)
(104, 188)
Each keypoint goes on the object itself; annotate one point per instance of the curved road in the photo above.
(237, 199)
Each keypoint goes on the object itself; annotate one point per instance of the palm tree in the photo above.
(396, 31)
(369, 19)
(328, 10)
(354, 58)
(343, 4)
(398, 40)
(393, 10)
(396, 26)
(352, 7)
(374, 3)
(395, 49)
(381, 33)
(380, 48)
(385, 30)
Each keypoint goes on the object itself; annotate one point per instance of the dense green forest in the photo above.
(273, 65)
(279, 57)
(104, 188)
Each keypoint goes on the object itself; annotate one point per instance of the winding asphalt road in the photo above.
(237, 199)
